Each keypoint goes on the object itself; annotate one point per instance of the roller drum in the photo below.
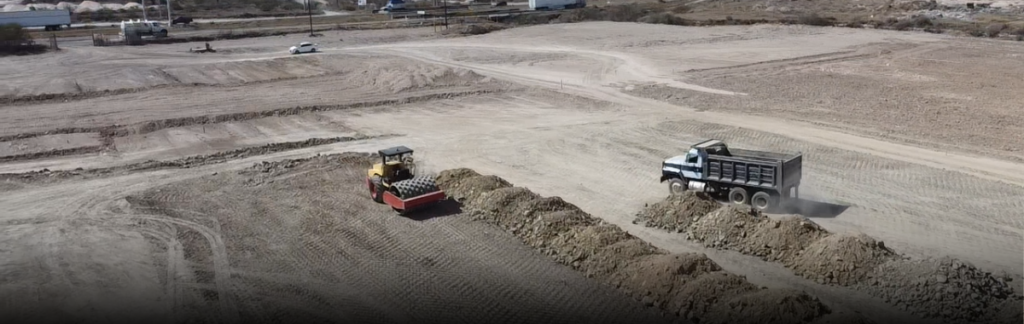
(417, 186)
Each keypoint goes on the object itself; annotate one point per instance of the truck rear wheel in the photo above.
(738, 196)
(676, 186)
(762, 201)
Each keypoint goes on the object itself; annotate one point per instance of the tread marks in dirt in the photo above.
(423, 275)
(221, 267)
(185, 162)
(519, 215)
(155, 125)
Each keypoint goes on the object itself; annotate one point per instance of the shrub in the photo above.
(813, 19)
(664, 18)
(16, 40)
(993, 30)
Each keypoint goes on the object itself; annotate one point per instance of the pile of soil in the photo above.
(551, 226)
(768, 305)
(783, 240)
(696, 300)
(948, 289)
(689, 285)
(725, 228)
(677, 212)
(447, 180)
(1010, 311)
(841, 259)
(475, 186)
(945, 288)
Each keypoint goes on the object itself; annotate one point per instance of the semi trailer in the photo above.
(48, 19)
(746, 177)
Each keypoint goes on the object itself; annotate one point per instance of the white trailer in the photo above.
(556, 4)
(49, 19)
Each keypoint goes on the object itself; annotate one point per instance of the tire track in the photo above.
(444, 269)
(990, 169)
(156, 125)
(222, 269)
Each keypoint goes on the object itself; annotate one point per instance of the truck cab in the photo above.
(393, 5)
(691, 164)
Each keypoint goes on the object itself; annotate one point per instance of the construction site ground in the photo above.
(150, 200)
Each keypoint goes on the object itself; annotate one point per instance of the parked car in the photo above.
(304, 47)
(182, 20)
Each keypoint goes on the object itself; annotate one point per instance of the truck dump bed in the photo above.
(779, 171)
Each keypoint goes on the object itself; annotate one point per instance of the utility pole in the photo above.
(168, 13)
(144, 11)
(445, 14)
(309, 10)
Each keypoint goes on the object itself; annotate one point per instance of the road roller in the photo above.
(393, 181)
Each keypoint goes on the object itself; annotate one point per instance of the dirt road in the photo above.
(581, 111)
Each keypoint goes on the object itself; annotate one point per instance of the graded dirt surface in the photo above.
(584, 112)
(295, 239)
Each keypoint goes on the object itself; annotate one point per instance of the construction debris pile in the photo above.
(688, 285)
(947, 289)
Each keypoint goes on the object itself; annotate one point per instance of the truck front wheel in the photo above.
(676, 186)
(762, 201)
(738, 196)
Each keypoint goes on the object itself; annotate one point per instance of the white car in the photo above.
(304, 47)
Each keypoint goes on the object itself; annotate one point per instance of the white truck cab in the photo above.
(143, 27)
(393, 5)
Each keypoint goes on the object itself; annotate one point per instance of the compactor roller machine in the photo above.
(393, 182)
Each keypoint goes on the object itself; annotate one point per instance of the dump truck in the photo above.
(394, 182)
(48, 19)
(760, 179)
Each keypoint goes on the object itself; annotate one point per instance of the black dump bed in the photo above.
(762, 169)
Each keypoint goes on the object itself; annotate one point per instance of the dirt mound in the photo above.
(499, 201)
(551, 224)
(767, 306)
(695, 299)
(677, 212)
(658, 277)
(725, 228)
(943, 288)
(1008, 312)
(550, 231)
(782, 240)
(686, 284)
(471, 187)
(428, 76)
(841, 259)
(844, 318)
(606, 260)
(448, 179)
